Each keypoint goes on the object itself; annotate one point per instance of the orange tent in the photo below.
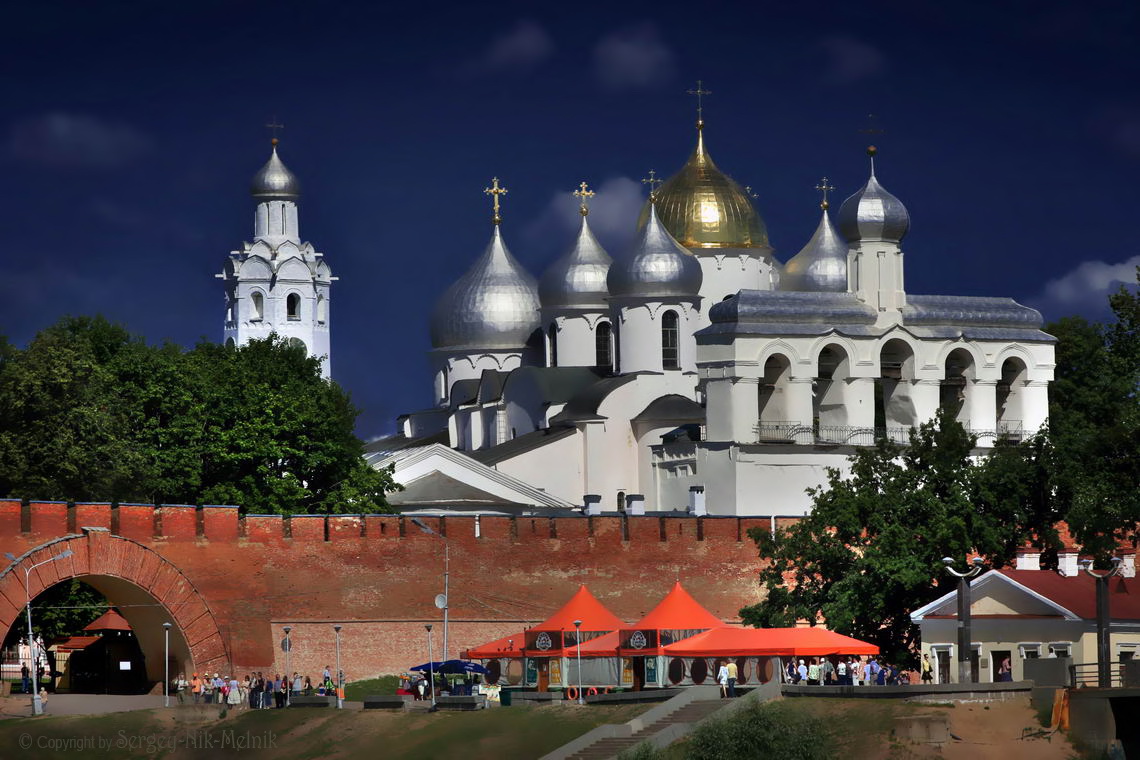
(768, 642)
(508, 646)
(548, 637)
(676, 616)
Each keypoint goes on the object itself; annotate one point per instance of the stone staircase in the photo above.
(693, 712)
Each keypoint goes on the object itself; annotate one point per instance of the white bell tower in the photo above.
(278, 284)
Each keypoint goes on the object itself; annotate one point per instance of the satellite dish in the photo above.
(441, 601)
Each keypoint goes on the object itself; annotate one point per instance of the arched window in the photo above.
(229, 343)
(293, 307)
(322, 310)
(256, 306)
(603, 347)
(670, 341)
(552, 346)
(297, 343)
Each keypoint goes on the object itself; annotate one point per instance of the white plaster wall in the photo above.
(556, 468)
(728, 271)
(467, 364)
(576, 335)
(639, 334)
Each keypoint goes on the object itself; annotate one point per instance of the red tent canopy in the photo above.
(768, 642)
(678, 611)
(549, 637)
(508, 646)
(110, 620)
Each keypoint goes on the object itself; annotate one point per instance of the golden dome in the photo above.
(703, 207)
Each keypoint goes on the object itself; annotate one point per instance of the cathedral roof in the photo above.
(976, 317)
(274, 181)
(872, 213)
(655, 266)
(702, 207)
(493, 305)
(578, 278)
(821, 264)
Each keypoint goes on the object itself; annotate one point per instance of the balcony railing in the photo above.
(786, 431)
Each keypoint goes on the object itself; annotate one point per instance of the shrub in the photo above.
(763, 730)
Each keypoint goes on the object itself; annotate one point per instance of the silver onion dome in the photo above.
(274, 181)
(494, 305)
(656, 265)
(821, 265)
(578, 279)
(872, 213)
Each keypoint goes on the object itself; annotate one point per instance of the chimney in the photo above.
(1028, 560)
(697, 501)
(593, 504)
(1067, 563)
(635, 504)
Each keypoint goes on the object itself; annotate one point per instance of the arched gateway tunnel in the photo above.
(229, 584)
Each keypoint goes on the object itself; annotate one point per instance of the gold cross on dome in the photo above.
(824, 188)
(749, 193)
(495, 191)
(653, 183)
(274, 126)
(583, 194)
(700, 92)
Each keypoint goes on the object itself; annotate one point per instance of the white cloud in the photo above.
(613, 217)
(1088, 286)
(851, 60)
(633, 58)
(526, 45)
(62, 140)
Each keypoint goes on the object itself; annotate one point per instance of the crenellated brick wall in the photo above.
(377, 575)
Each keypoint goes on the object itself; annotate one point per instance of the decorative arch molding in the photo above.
(1016, 351)
(849, 348)
(948, 348)
(97, 552)
(782, 348)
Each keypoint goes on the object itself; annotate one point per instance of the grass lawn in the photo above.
(505, 733)
(356, 691)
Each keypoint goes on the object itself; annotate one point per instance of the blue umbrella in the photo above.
(452, 667)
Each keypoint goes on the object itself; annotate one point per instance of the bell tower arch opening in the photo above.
(144, 587)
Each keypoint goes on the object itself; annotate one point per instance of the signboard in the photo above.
(531, 670)
(555, 671)
(627, 671)
(651, 671)
(286, 644)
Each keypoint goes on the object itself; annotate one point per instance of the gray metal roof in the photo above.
(554, 385)
(585, 405)
(672, 407)
(578, 279)
(520, 445)
(872, 213)
(821, 264)
(656, 265)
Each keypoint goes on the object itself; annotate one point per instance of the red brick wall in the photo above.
(260, 573)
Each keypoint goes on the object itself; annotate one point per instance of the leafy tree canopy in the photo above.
(89, 412)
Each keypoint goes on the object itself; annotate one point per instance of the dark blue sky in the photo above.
(129, 133)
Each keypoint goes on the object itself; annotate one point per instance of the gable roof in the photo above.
(521, 445)
(109, 621)
(1072, 597)
(582, 606)
(678, 611)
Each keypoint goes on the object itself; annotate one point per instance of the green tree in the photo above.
(89, 412)
(870, 551)
(1094, 425)
(63, 610)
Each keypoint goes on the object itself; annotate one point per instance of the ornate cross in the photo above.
(583, 195)
(872, 127)
(749, 193)
(824, 188)
(495, 191)
(273, 125)
(653, 183)
(699, 92)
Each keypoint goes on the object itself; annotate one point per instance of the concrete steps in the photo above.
(693, 712)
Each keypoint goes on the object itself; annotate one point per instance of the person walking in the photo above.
(26, 678)
(180, 685)
(927, 669)
(813, 673)
(722, 678)
(233, 699)
(733, 674)
(196, 687)
(801, 673)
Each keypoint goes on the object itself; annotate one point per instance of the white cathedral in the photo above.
(690, 373)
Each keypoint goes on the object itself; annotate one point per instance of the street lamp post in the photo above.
(578, 639)
(339, 674)
(966, 672)
(287, 645)
(1103, 620)
(37, 704)
(446, 562)
(431, 668)
(166, 665)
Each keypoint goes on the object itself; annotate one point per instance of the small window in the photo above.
(229, 343)
(670, 355)
(256, 307)
(1060, 650)
(603, 347)
(293, 307)
(553, 346)
(1029, 651)
(322, 310)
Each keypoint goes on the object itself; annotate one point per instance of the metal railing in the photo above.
(1086, 675)
(786, 431)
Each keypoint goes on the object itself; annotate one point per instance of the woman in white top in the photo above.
(722, 679)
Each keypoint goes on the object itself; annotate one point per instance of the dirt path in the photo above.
(995, 730)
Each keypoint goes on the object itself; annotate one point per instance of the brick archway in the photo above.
(121, 567)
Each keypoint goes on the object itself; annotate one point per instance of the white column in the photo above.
(1035, 405)
(981, 403)
(859, 398)
(733, 409)
(925, 395)
(799, 402)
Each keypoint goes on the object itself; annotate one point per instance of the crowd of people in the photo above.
(255, 692)
(844, 671)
